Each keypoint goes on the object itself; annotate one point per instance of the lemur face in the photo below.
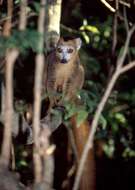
(66, 50)
(65, 53)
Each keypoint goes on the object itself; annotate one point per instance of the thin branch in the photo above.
(42, 155)
(114, 38)
(125, 3)
(6, 146)
(89, 142)
(36, 117)
(115, 25)
(117, 4)
(125, 19)
(8, 23)
(8, 107)
(23, 15)
(11, 57)
(37, 95)
(121, 17)
(1, 1)
(119, 108)
(108, 6)
(71, 30)
(127, 28)
(100, 108)
(127, 67)
(122, 57)
(10, 9)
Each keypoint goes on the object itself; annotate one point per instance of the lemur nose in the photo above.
(64, 61)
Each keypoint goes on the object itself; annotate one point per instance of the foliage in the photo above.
(116, 125)
(23, 40)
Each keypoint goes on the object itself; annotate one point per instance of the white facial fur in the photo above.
(65, 51)
(64, 54)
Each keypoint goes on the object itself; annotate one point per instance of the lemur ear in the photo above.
(60, 40)
(78, 42)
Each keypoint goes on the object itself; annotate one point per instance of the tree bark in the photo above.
(52, 24)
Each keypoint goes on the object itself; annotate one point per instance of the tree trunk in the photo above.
(52, 25)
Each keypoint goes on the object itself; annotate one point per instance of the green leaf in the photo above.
(109, 148)
(86, 37)
(128, 152)
(114, 126)
(23, 163)
(81, 116)
(107, 32)
(103, 121)
(90, 28)
(17, 1)
(120, 118)
(70, 110)
(36, 6)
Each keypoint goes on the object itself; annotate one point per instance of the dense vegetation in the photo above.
(103, 33)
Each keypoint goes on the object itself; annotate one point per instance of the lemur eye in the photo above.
(59, 50)
(70, 50)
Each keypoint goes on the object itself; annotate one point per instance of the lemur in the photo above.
(65, 74)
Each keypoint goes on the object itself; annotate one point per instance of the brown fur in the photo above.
(81, 134)
(66, 79)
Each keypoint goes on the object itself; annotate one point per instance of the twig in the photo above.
(37, 96)
(23, 15)
(100, 108)
(89, 142)
(114, 41)
(11, 57)
(8, 23)
(127, 28)
(71, 30)
(122, 19)
(115, 24)
(6, 146)
(8, 104)
(125, 3)
(127, 67)
(108, 6)
(122, 57)
(125, 19)
(36, 117)
(120, 108)
(1, 1)
(42, 155)
(114, 38)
